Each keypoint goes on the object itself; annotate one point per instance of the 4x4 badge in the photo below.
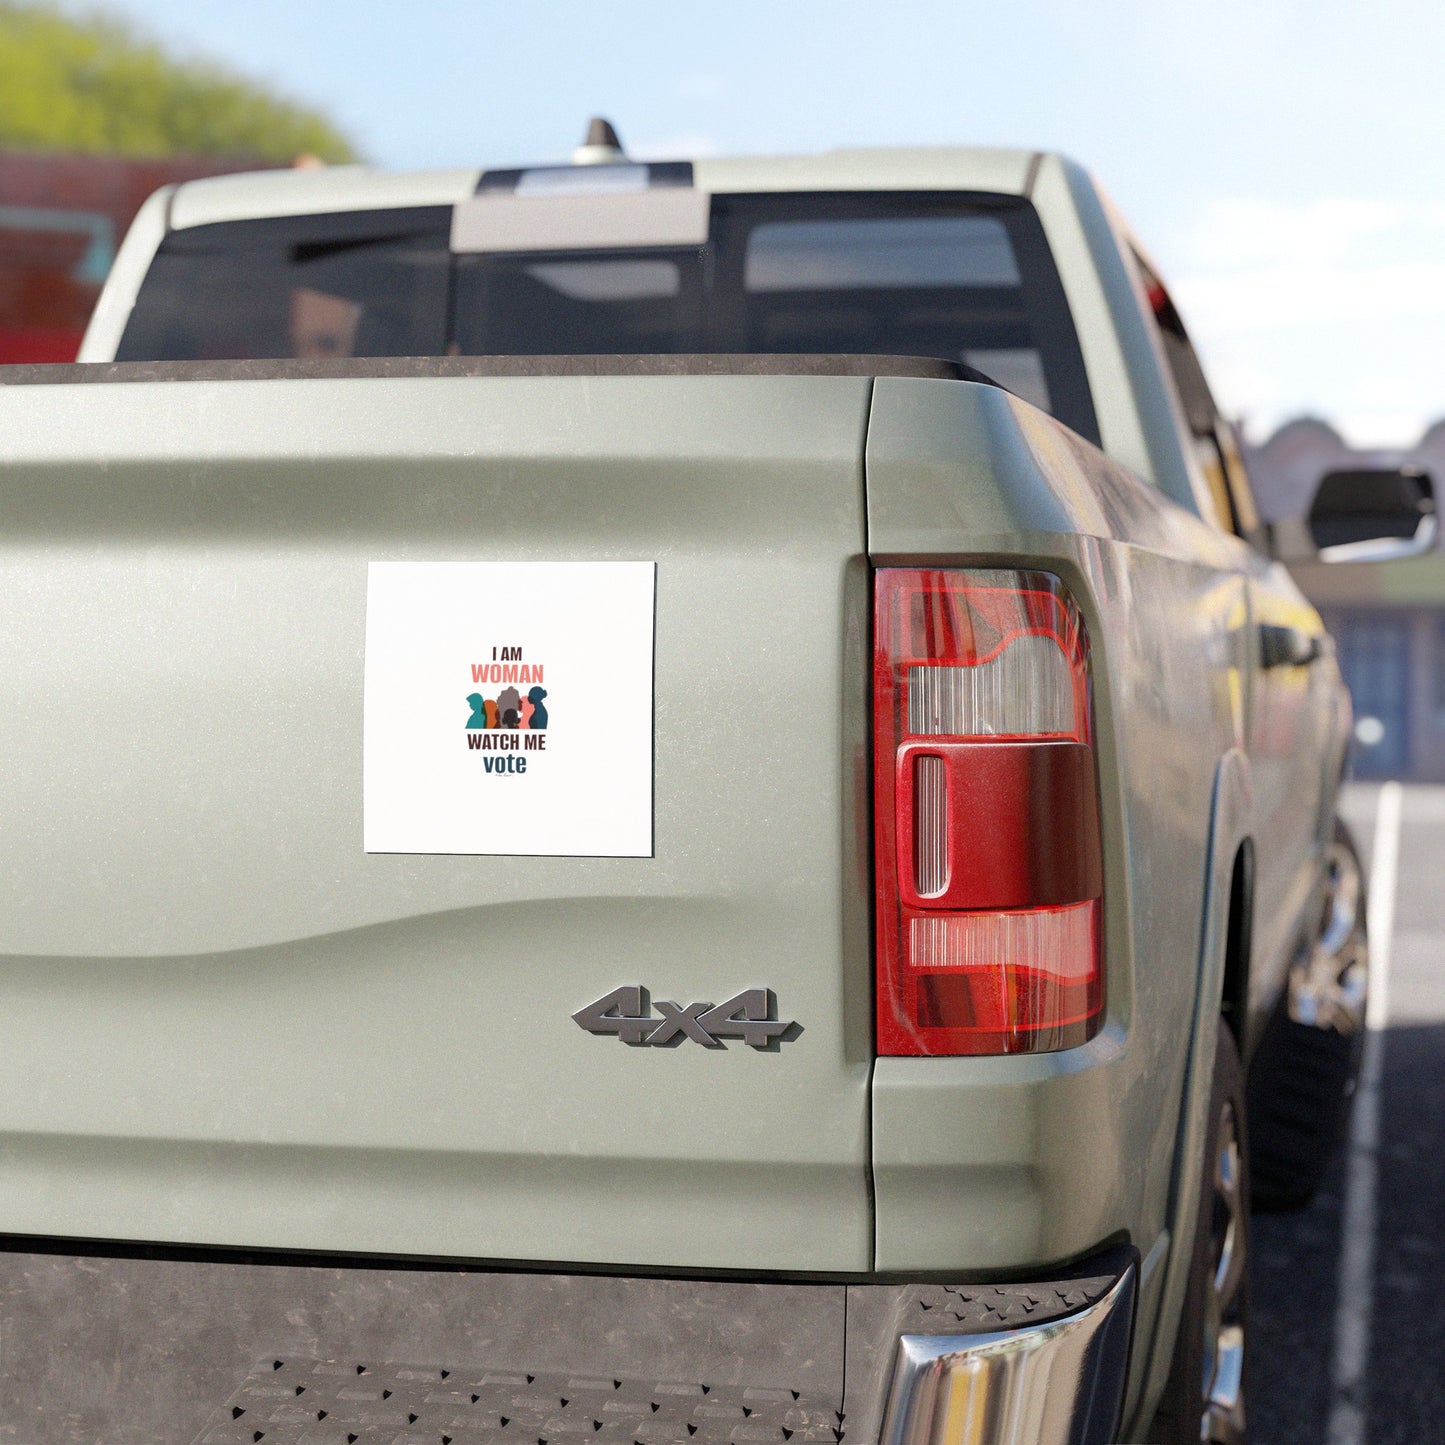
(627, 1013)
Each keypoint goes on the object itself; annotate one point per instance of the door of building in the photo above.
(1374, 654)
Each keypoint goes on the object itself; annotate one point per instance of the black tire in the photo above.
(1301, 1085)
(1299, 1098)
(1204, 1398)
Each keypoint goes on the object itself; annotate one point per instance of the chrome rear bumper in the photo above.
(1059, 1383)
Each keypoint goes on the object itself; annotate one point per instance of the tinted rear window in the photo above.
(961, 277)
(370, 283)
(876, 253)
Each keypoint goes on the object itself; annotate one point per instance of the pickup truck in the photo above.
(655, 804)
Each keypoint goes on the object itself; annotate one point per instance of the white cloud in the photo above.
(1385, 429)
(1335, 306)
(1260, 298)
(1236, 232)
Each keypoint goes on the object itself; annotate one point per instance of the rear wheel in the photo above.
(1204, 1399)
(1303, 1075)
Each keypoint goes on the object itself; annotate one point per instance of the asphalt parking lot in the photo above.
(1367, 1363)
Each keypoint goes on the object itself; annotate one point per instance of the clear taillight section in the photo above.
(1025, 689)
(988, 853)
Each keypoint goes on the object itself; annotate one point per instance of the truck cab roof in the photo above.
(350, 188)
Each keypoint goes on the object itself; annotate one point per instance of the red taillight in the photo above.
(988, 853)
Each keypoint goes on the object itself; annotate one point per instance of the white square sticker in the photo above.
(508, 708)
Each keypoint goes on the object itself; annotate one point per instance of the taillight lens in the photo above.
(988, 862)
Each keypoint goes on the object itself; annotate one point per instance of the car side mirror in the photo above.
(1373, 515)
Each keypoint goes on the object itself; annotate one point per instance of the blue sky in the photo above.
(1282, 160)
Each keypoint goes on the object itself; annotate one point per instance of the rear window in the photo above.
(948, 285)
(966, 278)
(369, 283)
(902, 252)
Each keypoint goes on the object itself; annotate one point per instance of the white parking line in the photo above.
(1355, 1287)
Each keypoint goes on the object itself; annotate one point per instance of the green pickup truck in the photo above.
(655, 804)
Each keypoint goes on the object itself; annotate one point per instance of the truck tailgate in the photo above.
(223, 1022)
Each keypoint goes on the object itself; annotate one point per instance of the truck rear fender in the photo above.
(1223, 952)
(981, 1158)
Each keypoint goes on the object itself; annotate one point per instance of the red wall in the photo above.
(46, 288)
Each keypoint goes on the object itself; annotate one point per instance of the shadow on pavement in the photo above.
(1296, 1259)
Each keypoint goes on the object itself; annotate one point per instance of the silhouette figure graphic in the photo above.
(528, 708)
(509, 704)
(539, 713)
(492, 720)
(478, 718)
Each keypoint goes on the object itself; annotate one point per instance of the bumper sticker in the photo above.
(508, 708)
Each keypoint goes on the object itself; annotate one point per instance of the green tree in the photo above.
(94, 84)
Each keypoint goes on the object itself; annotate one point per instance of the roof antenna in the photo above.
(601, 147)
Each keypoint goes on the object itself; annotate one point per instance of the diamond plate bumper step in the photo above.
(326, 1402)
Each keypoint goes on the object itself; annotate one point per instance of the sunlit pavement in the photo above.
(1296, 1256)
